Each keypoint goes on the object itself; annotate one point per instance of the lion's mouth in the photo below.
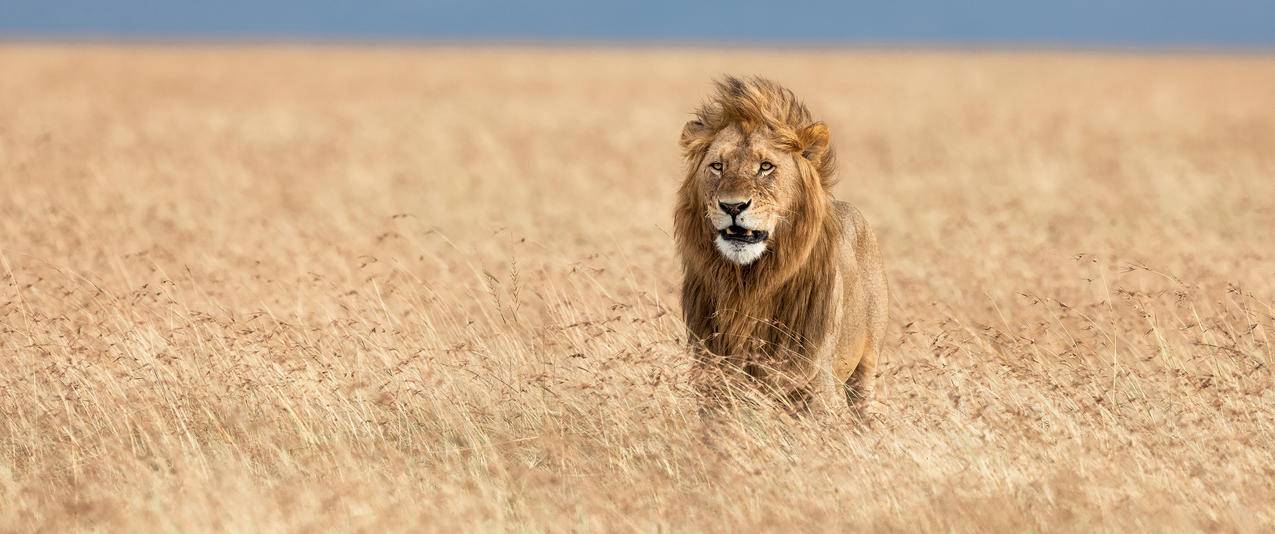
(740, 234)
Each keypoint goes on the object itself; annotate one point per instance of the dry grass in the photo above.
(272, 289)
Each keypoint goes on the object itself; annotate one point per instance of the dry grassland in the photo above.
(278, 289)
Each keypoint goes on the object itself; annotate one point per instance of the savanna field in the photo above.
(270, 289)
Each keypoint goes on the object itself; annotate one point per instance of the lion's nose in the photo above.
(734, 208)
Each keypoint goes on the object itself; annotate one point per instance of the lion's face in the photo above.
(747, 185)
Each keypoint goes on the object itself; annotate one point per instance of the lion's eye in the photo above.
(766, 166)
(717, 166)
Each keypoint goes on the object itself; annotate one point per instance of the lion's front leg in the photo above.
(819, 395)
(798, 382)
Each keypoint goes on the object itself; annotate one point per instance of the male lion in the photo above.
(782, 284)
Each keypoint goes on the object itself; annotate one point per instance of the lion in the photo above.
(782, 284)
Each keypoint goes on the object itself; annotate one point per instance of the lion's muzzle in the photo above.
(739, 234)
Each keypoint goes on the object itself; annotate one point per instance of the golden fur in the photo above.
(807, 317)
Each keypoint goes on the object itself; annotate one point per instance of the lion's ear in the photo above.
(694, 136)
(814, 142)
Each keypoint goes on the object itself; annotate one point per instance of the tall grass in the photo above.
(274, 289)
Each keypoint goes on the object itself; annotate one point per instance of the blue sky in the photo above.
(1174, 23)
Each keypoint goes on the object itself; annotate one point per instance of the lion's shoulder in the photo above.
(857, 236)
(853, 225)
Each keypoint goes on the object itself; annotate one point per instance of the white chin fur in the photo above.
(740, 253)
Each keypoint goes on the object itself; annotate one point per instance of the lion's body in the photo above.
(807, 318)
(864, 309)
